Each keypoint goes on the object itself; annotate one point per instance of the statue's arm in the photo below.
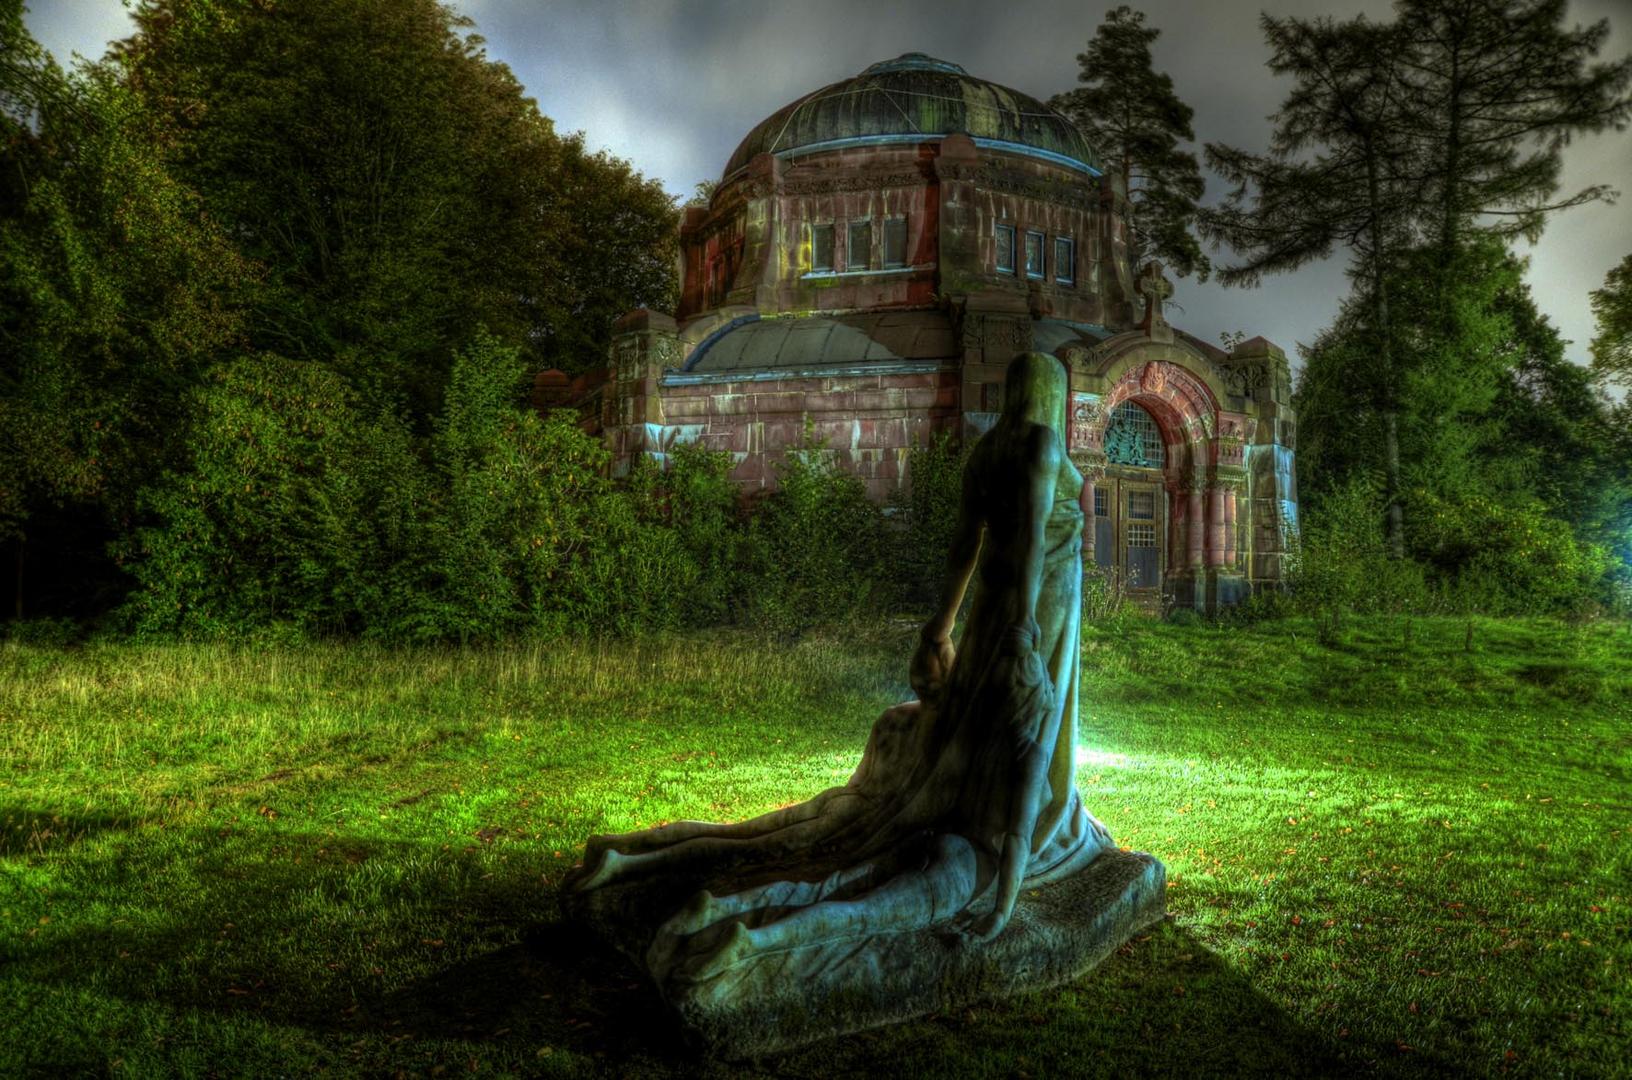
(960, 561)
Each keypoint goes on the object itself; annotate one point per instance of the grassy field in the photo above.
(1409, 853)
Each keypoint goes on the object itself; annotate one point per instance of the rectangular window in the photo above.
(1099, 502)
(1065, 260)
(1005, 249)
(821, 247)
(1034, 254)
(991, 397)
(859, 254)
(895, 243)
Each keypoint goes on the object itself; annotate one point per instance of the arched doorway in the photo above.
(1131, 511)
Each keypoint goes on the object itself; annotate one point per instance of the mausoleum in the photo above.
(874, 255)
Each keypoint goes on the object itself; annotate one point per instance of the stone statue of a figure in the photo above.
(963, 798)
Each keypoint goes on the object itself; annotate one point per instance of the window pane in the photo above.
(1142, 507)
(895, 243)
(1034, 254)
(859, 254)
(1132, 438)
(1005, 249)
(1064, 260)
(1099, 502)
(821, 247)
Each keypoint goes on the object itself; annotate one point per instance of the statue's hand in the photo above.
(931, 666)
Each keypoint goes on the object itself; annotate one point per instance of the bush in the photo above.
(815, 547)
(1505, 558)
(1342, 566)
(292, 507)
(927, 515)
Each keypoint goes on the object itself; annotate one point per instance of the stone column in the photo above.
(1216, 497)
(1195, 525)
(1229, 528)
(1175, 528)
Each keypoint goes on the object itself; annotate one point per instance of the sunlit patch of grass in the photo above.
(1407, 852)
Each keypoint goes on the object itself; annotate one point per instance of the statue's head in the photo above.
(1035, 389)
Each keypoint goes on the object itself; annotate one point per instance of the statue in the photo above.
(964, 797)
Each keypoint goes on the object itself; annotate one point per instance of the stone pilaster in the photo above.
(644, 345)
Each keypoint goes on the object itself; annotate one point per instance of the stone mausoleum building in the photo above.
(874, 255)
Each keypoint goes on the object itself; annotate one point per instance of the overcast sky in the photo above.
(673, 85)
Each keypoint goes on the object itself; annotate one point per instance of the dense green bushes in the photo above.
(296, 508)
(1464, 555)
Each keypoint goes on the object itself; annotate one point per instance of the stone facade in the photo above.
(874, 256)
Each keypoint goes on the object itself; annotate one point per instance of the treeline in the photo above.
(1448, 450)
(240, 258)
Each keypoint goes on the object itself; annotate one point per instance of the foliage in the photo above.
(1612, 308)
(1339, 170)
(115, 291)
(396, 184)
(1129, 111)
(926, 519)
(816, 547)
(289, 506)
(1505, 558)
(1497, 89)
(1342, 565)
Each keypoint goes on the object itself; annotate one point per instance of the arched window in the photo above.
(1132, 438)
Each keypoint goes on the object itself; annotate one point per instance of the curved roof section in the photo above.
(916, 98)
(812, 343)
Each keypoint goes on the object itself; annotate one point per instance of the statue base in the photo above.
(778, 1001)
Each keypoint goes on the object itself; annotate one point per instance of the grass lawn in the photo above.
(1395, 855)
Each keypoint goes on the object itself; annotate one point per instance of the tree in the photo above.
(397, 186)
(1130, 113)
(115, 291)
(1498, 88)
(1339, 171)
(1612, 344)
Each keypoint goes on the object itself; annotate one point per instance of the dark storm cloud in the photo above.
(673, 86)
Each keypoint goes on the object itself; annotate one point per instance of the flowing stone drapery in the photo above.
(963, 798)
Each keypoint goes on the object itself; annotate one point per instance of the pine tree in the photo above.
(1612, 344)
(1498, 89)
(1129, 112)
(1339, 172)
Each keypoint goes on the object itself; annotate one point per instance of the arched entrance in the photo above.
(1146, 448)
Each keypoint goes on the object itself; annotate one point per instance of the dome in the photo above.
(916, 98)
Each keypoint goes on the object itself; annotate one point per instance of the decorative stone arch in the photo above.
(1172, 383)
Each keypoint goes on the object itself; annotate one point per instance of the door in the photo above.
(1141, 537)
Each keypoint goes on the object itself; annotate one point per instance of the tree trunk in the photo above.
(17, 600)
(1386, 386)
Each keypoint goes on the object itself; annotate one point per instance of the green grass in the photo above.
(1389, 856)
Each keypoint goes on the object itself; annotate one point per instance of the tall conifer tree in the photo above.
(1130, 113)
(1339, 172)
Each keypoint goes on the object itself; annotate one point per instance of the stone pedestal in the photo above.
(1058, 933)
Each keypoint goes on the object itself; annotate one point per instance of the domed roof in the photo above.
(916, 98)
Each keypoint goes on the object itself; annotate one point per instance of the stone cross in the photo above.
(1154, 288)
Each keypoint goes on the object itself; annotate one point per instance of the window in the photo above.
(1065, 260)
(1132, 438)
(1099, 502)
(859, 254)
(1005, 249)
(895, 243)
(821, 247)
(1034, 254)
(991, 397)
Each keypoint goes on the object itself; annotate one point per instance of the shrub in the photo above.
(1341, 564)
(1505, 558)
(927, 517)
(815, 547)
(292, 507)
